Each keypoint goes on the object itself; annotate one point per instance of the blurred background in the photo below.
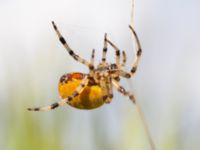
(166, 85)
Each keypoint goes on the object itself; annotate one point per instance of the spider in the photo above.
(92, 90)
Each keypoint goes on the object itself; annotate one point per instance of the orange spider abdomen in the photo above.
(89, 98)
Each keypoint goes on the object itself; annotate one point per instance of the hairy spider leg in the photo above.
(70, 51)
(124, 58)
(110, 90)
(138, 55)
(122, 90)
(62, 102)
(117, 53)
(106, 90)
(105, 49)
(92, 57)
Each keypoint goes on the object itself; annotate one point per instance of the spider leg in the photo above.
(104, 49)
(123, 91)
(104, 89)
(138, 56)
(70, 51)
(117, 52)
(121, 72)
(124, 59)
(138, 53)
(110, 91)
(92, 57)
(62, 102)
(107, 93)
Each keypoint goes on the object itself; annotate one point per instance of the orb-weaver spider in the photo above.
(89, 91)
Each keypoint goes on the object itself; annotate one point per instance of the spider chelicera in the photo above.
(89, 91)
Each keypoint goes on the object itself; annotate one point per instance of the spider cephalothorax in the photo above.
(89, 91)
